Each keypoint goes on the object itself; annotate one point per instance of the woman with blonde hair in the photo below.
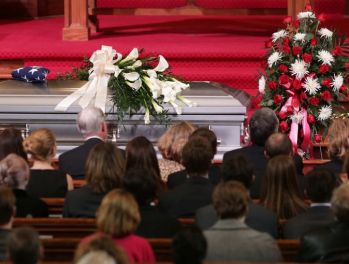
(45, 180)
(118, 216)
(170, 145)
(280, 192)
(104, 170)
(338, 145)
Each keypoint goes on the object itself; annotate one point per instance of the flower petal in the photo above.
(133, 55)
(163, 64)
(131, 76)
(135, 85)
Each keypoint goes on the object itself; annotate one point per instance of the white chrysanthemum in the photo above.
(297, 117)
(311, 85)
(274, 58)
(325, 33)
(261, 84)
(302, 15)
(280, 34)
(299, 37)
(325, 57)
(337, 82)
(299, 68)
(325, 113)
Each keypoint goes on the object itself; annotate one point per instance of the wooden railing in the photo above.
(80, 19)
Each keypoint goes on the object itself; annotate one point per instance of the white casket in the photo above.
(29, 106)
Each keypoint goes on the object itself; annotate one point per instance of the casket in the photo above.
(29, 106)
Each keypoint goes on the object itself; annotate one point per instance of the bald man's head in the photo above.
(278, 144)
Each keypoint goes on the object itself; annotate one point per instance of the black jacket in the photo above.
(28, 206)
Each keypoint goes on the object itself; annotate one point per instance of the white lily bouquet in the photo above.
(136, 84)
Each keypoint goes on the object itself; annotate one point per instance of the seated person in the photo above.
(196, 191)
(170, 145)
(7, 213)
(144, 188)
(93, 127)
(189, 246)
(230, 239)
(319, 186)
(179, 177)
(14, 173)
(280, 191)
(236, 168)
(329, 243)
(118, 216)
(11, 141)
(45, 180)
(105, 249)
(24, 246)
(104, 170)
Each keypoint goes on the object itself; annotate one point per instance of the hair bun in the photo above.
(27, 145)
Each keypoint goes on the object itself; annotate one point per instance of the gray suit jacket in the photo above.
(230, 240)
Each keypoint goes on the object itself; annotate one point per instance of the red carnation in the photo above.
(324, 68)
(286, 49)
(343, 89)
(314, 100)
(283, 68)
(278, 99)
(256, 102)
(302, 96)
(326, 95)
(296, 50)
(317, 138)
(288, 20)
(272, 85)
(307, 57)
(297, 84)
(308, 7)
(326, 82)
(282, 115)
(268, 43)
(311, 119)
(313, 42)
(337, 51)
(295, 23)
(286, 41)
(284, 79)
(283, 126)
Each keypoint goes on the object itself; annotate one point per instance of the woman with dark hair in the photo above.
(140, 153)
(11, 141)
(281, 192)
(118, 216)
(142, 184)
(104, 169)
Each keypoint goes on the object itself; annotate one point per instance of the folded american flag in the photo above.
(30, 74)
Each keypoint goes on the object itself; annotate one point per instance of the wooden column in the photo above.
(296, 6)
(76, 26)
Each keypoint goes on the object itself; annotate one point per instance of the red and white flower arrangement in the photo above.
(305, 72)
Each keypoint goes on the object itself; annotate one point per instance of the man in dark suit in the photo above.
(329, 244)
(262, 124)
(179, 177)
(91, 124)
(319, 187)
(197, 189)
(237, 168)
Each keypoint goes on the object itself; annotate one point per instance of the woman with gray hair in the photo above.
(14, 173)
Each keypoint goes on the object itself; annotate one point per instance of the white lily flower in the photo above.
(137, 64)
(133, 55)
(117, 71)
(168, 93)
(162, 65)
(176, 107)
(151, 73)
(119, 57)
(135, 85)
(186, 101)
(154, 86)
(147, 116)
(158, 108)
(180, 85)
(131, 76)
(261, 84)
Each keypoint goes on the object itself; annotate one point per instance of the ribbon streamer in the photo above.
(97, 86)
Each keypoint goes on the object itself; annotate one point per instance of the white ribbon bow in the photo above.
(97, 86)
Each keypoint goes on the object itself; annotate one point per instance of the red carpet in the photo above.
(221, 49)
